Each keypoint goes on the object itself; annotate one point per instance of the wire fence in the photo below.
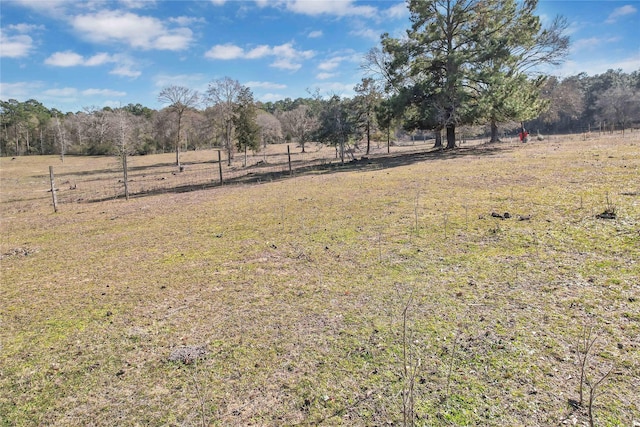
(82, 179)
(206, 169)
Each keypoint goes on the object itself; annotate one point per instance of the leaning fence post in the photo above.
(53, 190)
(289, 156)
(220, 165)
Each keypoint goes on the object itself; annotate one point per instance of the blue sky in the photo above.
(71, 54)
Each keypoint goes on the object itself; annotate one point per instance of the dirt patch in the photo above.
(18, 253)
(187, 354)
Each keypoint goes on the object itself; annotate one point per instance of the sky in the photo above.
(75, 54)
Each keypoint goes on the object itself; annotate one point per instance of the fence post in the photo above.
(220, 166)
(53, 190)
(289, 156)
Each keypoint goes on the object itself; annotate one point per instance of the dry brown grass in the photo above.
(296, 289)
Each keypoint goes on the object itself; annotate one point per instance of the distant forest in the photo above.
(581, 103)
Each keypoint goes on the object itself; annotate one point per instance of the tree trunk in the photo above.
(438, 134)
(451, 136)
(178, 142)
(389, 139)
(125, 173)
(228, 143)
(494, 132)
(368, 137)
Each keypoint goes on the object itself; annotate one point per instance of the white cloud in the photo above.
(225, 52)
(175, 40)
(315, 34)
(20, 90)
(330, 64)
(142, 32)
(287, 50)
(265, 85)
(271, 97)
(286, 56)
(124, 66)
(62, 93)
(137, 4)
(258, 52)
(338, 58)
(335, 7)
(99, 59)
(73, 95)
(397, 11)
(593, 67)
(619, 12)
(187, 20)
(15, 46)
(366, 33)
(125, 71)
(195, 81)
(103, 92)
(24, 28)
(56, 8)
(218, 2)
(65, 59)
(325, 76)
(591, 43)
(285, 64)
(18, 45)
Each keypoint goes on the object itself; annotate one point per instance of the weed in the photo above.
(410, 365)
(609, 210)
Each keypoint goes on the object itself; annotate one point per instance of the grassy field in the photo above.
(332, 297)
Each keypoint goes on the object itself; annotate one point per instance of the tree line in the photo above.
(470, 64)
(575, 104)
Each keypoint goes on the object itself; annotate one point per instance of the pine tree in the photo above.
(366, 99)
(464, 61)
(244, 121)
(509, 84)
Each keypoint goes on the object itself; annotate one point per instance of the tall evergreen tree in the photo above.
(244, 121)
(515, 45)
(335, 124)
(466, 60)
(367, 98)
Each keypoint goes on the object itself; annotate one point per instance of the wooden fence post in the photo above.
(220, 166)
(289, 156)
(53, 190)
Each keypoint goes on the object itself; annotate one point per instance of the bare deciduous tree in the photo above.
(223, 94)
(98, 128)
(124, 129)
(300, 124)
(62, 138)
(618, 105)
(179, 100)
(270, 128)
